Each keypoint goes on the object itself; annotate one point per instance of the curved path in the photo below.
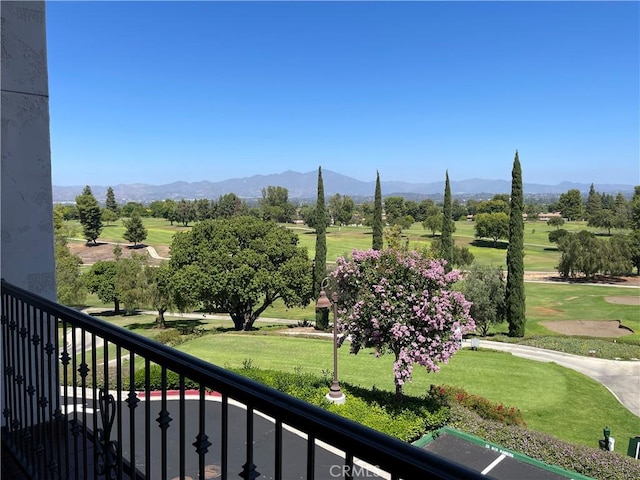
(621, 378)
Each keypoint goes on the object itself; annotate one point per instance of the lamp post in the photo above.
(335, 395)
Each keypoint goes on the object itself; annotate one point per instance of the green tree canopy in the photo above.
(230, 205)
(515, 294)
(160, 290)
(101, 280)
(635, 208)
(241, 265)
(394, 209)
(570, 205)
(492, 225)
(341, 209)
(135, 229)
(275, 205)
(581, 253)
(89, 214)
(108, 216)
(434, 222)
(378, 226)
(555, 222)
(110, 201)
(447, 226)
(320, 260)
(70, 288)
(184, 212)
(484, 286)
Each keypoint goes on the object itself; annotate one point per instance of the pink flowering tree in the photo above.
(401, 303)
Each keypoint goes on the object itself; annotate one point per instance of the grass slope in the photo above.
(553, 399)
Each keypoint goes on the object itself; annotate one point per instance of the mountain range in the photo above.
(302, 186)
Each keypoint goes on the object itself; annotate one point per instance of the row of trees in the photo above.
(392, 298)
(491, 216)
(584, 253)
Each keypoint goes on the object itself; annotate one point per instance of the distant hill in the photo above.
(303, 186)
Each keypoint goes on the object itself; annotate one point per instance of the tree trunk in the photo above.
(116, 306)
(398, 392)
(249, 321)
(238, 321)
(398, 386)
(160, 323)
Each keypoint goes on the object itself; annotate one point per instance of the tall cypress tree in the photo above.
(377, 216)
(320, 262)
(447, 231)
(515, 296)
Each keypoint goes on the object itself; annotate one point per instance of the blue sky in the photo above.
(156, 92)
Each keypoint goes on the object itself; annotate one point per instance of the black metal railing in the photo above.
(81, 400)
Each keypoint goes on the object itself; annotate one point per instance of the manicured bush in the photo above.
(587, 461)
(450, 396)
(169, 337)
(407, 420)
(155, 380)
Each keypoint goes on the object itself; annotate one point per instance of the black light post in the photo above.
(335, 395)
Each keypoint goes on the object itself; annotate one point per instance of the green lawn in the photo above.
(159, 231)
(553, 399)
(540, 254)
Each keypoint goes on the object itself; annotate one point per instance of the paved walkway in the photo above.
(622, 378)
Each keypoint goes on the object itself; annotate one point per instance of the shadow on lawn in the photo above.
(177, 324)
(389, 400)
(482, 243)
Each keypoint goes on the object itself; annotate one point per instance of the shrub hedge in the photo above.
(587, 461)
(412, 417)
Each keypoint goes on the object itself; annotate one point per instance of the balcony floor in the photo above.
(10, 468)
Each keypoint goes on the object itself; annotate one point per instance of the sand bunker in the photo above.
(589, 328)
(626, 300)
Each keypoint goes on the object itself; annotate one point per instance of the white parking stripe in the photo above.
(493, 464)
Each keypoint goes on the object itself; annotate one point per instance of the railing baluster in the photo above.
(118, 409)
(65, 358)
(224, 433)
(84, 371)
(42, 397)
(132, 402)
(105, 415)
(53, 372)
(249, 471)
(278, 452)
(164, 419)
(202, 443)
(75, 428)
(311, 456)
(7, 412)
(147, 419)
(183, 438)
(29, 388)
(22, 383)
(348, 462)
(38, 373)
(94, 400)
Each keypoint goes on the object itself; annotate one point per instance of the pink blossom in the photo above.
(401, 302)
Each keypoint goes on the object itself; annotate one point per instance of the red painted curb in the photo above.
(175, 393)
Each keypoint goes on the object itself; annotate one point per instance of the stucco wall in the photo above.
(26, 241)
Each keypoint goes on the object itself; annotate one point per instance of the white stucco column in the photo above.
(26, 242)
